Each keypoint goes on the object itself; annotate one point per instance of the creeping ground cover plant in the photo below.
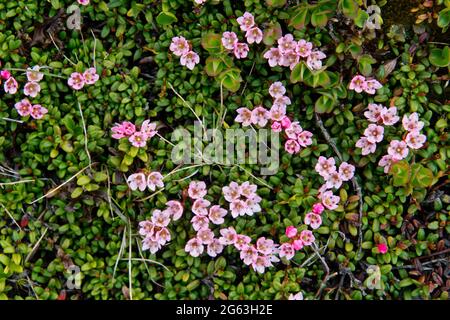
(226, 150)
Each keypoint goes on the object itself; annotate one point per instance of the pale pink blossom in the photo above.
(373, 113)
(11, 85)
(366, 146)
(286, 43)
(200, 207)
(229, 40)
(175, 208)
(199, 222)
(346, 171)
(163, 236)
(90, 76)
(23, 107)
(138, 139)
(282, 101)
(398, 149)
(248, 254)
(273, 56)
(374, 133)
(149, 129)
(277, 89)
(389, 116)
(189, 60)
(197, 189)
(260, 116)
(160, 218)
(206, 236)
(194, 247)
(265, 246)
(155, 180)
(297, 296)
(286, 251)
(307, 237)
(254, 35)
(415, 140)
(239, 208)
(358, 84)
(294, 130)
(228, 236)
(217, 214)
(276, 126)
(199, 1)
(313, 220)
(214, 248)
(290, 59)
(246, 22)
(291, 146)
(372, 86)
(248, 189)
(232, 192)
(149, 244)
(179, 46)
(146, 228)
(314, 61)
(38, 111)
(329, 200)
(318, 208)
(333, 180)
(412, 123)
(304, 138)
(386, 162)
(291, 232)
(304, 48)
(76, 81)
(31, 89)
(325, 166)
(253, 204)
(277, 112)
(33, 74)
(137, 181)
(241, 50)
(323, 188)
(261, 263)
(286, 122)
(244, 116)
(241, 241)
(123, 130)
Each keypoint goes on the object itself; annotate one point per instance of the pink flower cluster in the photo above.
(10, 84)
(243, 198)
(141, 181)
(399, 149)
(290, 52)
(137, 138)
(155, 231)
(181, 48)
(374, 133)
(32, 87)
(360, 83)
(253, 34)
(25, 108)
(334, 177)
(78, 80)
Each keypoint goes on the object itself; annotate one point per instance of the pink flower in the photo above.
(217, 214)
(23, 107)
(366, 146)
(293, 130)
(194, 247)
(277, 89)
(123, 130)
(273, 56)
(297, 296)
(261, 263)
(33, 74)
(229, 40)
(304, 48)
(325, 166)
(276, 126)
(199, 1)
(189, 60)
(374, 133)
(317, 208)
(253, 204)
(286, 43)
(254, 35)
(199, 222)
(244, 116)
(282, 101)
(286, 122)
(333, 180)
(346, 171)
(246, 21)
(149, 244)
(206, 236)
(412, 122)
(214, 248)
(313, 220)
(241, 241)
(229, 236)
(5, 74)
(32, 89)
(386, 161)
(197, 189)
(286, 251)
(291, 232)
(155, 179)
(358, 84)
(398, 149)
(307, 237)
(239, 208)
(11, 85)
(372, 86)
(329, 200)
(291, 146)
(382, 248)
(304, 138)
(38, 111)
(314, 61)
(76, 81)
(137, 181)
(265, 246)
(146, 228)
(297, 244)
(260, 116)
(160, 218)
(138, 139)
(163, 236)
(128, 128)
(200, 207)
(83, 2)
(248, 190)
(149, 129)
(415, 140)
(277, 112)
(290, 59)
(389, 116)
(179, 46)
(175, 209)
(373, 114)
(241, 50)
(232, 192)
(90, 76)
(248, 254)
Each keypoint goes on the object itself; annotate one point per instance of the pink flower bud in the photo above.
(291, 231)
(5, 74)
(318, 208)
(285, 122)
(276, 126)
(382, 248)
(297, 244)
